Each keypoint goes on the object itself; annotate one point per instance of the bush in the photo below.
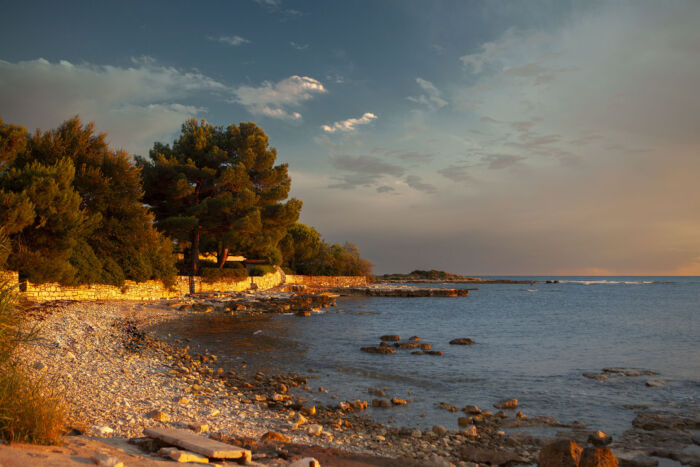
(261, 270)
(30, 411)
(210, 275)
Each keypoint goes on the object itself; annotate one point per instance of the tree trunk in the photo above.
(195, 256)
(222, 255)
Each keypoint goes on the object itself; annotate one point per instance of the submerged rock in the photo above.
(507, 404)
(390, 337)
(380, 349)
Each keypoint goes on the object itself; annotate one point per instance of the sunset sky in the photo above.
(490, 137)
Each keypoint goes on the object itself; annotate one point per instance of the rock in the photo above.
(300, 420)
(158, 416)
(560, 453)
(502, 414)
(440, 430)
(416, 433)
(655, 383)
(39, 366)
(471, 409)
(213, 413)
(315, 430)
(448, 407)
(407, 345)
(308, 410)
(105, 460)
(434, 352)
(383, 403)
(414, 338)
(376, 392)
(379, 349)
(198, 427)
(436, 461)
(490, 456)
(507, 404)
(397, 401)
(199, 444)
(274, 437)
(183, 456)
(425, 346)
(470, 431)
(464, 421)
(390, 337)
(635, 459)
(595, 376)
(598, 438)
(518, 415)
(305, 462)
(461, 341)
(598, 457)
(103, 430)
(183, 401)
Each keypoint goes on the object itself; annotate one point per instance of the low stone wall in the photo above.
(149, 290)
(155, 290)
(328, 281)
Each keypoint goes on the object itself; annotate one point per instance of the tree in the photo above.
(305, 252)
(218, 190)
(42, 249)
(124, 243)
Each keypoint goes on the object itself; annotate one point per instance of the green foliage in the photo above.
(261, 270)
(305, 252)
(217, 190)
(433, 275)
(214, 274)
(89, 224)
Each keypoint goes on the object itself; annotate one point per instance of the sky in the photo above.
(477, 137)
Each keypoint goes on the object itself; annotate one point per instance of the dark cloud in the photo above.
(456, 173)
(416, 182)
(411, 156)
(385, 189)
(501, 161)
(367, 165)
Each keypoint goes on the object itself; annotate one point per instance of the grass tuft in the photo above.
(30, 411)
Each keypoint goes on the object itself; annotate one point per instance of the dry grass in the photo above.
(30, 411)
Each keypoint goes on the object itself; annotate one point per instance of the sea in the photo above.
(533, 342)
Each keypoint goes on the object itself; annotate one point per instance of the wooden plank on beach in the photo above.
(199, 444)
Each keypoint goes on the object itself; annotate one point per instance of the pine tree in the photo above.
(218, 190)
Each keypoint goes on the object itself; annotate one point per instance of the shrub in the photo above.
(30, 411)
(215, 274)
(261, 270)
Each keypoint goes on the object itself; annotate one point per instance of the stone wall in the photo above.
(150, 290)
(328, 281)
(155, 290)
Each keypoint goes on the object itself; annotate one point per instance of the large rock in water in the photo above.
(598, 457)
(461, 341)
(561, 453)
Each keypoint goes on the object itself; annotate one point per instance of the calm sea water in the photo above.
(533, 342)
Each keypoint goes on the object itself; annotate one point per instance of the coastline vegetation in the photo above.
(79, 212)
(30, 411)
(431, 275)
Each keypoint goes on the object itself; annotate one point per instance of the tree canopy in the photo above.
(218, 190)
(72, 207)
(305, 252)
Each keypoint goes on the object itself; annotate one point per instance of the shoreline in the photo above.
(115, 375)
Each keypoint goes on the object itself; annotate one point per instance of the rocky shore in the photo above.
(118, 381)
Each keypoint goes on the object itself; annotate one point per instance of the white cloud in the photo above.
(299, 46)
(432, 98)
(230, 40)
(349, 124)
(136, 105)
(272, 99)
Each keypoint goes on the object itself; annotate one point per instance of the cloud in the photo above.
(500, 161)
(416, 182)
(137, 105)
(363, 170)
(272, 99)
(299, 46)
(432, 97)
(385, 189)
(456, 173)
(350, 124)
(412, 156)
(495, 52)
(230, 40)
